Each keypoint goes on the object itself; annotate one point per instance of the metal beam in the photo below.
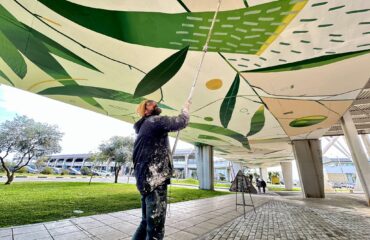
(358, 154)
(328, 146)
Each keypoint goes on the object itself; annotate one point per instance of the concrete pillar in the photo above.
(358, 154)
(186, 167)
(205, 168)
(366, 142)
(310, 168)
(286, 168)
(263, 173)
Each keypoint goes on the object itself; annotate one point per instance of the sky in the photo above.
(83, 130)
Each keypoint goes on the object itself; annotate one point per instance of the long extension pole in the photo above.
(205, 49)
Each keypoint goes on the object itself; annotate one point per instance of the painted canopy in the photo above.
(275, 70)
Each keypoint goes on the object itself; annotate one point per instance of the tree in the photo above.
(41, 162)
(117, 149)
(96, 159)
(26, 139)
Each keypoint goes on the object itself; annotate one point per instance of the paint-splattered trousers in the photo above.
(153, 206)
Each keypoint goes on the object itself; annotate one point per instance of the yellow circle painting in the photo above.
(214, 84)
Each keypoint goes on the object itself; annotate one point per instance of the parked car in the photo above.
(31, 169)
(104, 173)
(56, 170)
(73, 171)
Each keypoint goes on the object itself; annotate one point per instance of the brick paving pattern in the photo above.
(283, 220)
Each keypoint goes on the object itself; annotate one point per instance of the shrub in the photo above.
(64, 172)
(85, 171)
(47, 170)
(23, 170)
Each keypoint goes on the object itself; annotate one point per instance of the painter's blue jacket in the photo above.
(152, 151)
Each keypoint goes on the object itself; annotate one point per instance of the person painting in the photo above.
(153, 168)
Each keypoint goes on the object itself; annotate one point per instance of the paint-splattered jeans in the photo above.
(153, 206)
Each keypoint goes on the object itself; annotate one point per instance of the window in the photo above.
(79, 160)
(69, 160)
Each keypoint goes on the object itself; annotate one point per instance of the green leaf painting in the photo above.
(222, 131)
(11, 56)
(16, 37)
(307, 121)
(175, 31)
(208, 137)
(258, 121)
(228, 104)
(95, 92)
(6, 78)
(161, 74)
(311, 63)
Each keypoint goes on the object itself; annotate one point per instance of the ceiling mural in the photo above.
(275, 70)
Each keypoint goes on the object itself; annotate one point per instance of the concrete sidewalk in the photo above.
(186, 220)
(339, 216)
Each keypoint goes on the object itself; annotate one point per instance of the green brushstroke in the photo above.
(258, 121)
(307, 121)
(11, 56)
(208, 119)
(221, 150)
(311, 63)
(208, 137)
(337, 40)
(175, 31)
(301, 31)
(335, 35)
(325, 25)
(95, 92)
(246, 3)
(222, 131)
(16, 37)
(336, 8)
(161, 74)
(183, 5)
(358, 11)
(6, 78)
(295, 51)
(228, 104)
(308, 19)
(318, 4)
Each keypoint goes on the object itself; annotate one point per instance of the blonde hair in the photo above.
(141, 108)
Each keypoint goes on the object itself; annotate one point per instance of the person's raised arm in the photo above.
(171, 124)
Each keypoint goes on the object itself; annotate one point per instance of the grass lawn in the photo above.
(277, 188)
(33, 202)
(192, 181)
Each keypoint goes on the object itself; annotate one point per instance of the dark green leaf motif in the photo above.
(17, 38)
(307, 121)
(258, 121)
(227, 106)
(161, 74)
(311, 63)
(95, 92)
(12, 57)
(222, 131)
(6, 78)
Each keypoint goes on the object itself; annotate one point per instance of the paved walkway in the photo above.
(187, 220)
(339, 216)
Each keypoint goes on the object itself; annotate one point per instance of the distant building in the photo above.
(184, 162)
(340, 170)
